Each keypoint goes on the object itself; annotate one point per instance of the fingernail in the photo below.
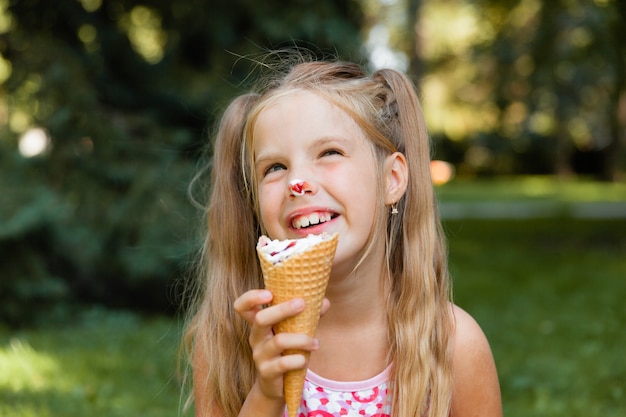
(297, 303)
(316, 344)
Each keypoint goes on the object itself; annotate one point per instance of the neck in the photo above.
(355, 326)
(359, 296)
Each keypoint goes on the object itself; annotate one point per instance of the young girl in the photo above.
(390, 341)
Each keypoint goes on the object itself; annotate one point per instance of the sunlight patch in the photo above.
(22, 367)
(143, 27)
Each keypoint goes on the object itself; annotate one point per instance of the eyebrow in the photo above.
(319, 142)
(267, 157)
(327, 139)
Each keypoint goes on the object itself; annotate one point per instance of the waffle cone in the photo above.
(304, 275)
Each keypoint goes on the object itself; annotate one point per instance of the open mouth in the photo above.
(312, 219)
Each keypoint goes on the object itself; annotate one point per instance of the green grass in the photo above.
(101, 363)
(549, 294)
(532, 188)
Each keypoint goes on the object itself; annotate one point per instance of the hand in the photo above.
(267, 348)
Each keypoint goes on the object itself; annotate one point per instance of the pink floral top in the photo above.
(323, 397)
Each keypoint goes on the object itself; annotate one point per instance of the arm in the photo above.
(476, 389)
(200, 388)
(266, 396)
(255, 403)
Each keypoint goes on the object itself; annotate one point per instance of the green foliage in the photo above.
(548, 294)
(518, 86)
(101, 363)
(126, 93)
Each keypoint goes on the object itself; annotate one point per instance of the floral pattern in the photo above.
(325, 398)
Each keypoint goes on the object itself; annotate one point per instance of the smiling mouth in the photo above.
(313, 219)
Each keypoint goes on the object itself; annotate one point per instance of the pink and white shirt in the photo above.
(323, 397)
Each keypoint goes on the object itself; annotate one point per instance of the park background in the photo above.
(106, 108)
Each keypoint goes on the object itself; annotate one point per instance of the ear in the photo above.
(396, 177)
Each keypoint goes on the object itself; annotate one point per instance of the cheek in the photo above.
(263, 204)
(357, 184)
(269, 203)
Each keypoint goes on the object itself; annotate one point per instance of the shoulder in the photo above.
(476, 389)
(468, 337)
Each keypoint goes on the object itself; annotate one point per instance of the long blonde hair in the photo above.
(386, 107)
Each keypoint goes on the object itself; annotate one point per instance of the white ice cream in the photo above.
(278, 250)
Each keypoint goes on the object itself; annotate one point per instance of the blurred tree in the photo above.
(416, 66)
(565, 64)
(525, 86)
(615, 152)
(103, 111)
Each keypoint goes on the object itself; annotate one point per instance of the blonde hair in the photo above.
(385, 105)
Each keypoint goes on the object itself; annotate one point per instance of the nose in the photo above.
(298, 187)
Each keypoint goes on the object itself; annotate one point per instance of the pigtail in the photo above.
(220, 355)
(419, 311)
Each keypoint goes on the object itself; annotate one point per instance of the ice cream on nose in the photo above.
(298, 187)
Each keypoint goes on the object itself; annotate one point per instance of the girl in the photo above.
(390, 341)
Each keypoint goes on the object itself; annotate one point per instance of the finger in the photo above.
(283, 342)
(279, 312)
(264, 320)
(325, 306)
(249, 303)
(271, 373)
(276, 368)
(275, 346)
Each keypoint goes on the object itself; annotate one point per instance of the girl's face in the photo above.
(302, 136)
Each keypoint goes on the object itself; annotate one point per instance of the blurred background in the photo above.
(106, 109)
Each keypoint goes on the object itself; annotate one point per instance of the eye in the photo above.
(273, 168)
(332, 151)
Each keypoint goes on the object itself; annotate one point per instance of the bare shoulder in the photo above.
(476, 387)
(467, 336)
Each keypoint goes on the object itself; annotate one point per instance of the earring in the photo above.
(394, 208)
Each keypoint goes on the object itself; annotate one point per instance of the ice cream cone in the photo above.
(302, 275)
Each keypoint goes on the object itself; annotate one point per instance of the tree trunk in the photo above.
(611, 170)
(416, 65)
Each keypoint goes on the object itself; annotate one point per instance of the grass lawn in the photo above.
(532, 188)
(549, 294)
(101, 363)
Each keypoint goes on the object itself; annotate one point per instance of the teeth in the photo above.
(304, 222)
(311, 219)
